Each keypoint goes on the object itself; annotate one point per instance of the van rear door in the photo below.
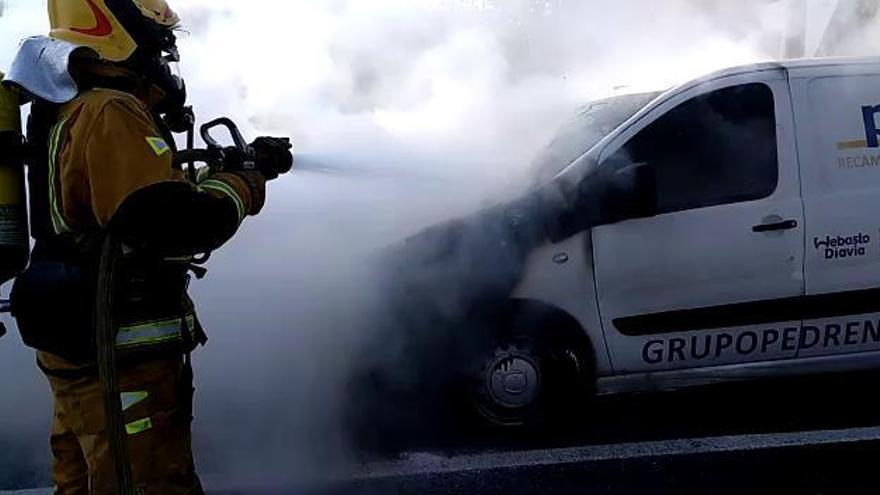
(837, 110)
(714, 278)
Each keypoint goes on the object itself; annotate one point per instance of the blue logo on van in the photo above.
(869, 114)
(872, 132)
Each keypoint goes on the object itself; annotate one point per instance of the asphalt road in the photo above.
(829, 402)
(824, 462)
(811, 436)
(824, 469)
(818, 435)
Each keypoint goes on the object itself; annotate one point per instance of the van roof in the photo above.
(801, 63)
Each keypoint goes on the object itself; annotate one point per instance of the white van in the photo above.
(732, 231)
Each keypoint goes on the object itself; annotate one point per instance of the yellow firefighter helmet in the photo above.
(113, 28)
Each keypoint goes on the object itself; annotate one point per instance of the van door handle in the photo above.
(772, 227)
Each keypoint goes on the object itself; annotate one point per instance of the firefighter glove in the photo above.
(273, 156)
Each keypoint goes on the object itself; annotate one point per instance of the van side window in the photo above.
(714, 149)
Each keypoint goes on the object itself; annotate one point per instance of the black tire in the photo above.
(534, 373)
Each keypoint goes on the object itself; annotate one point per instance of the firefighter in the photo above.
(104, 95)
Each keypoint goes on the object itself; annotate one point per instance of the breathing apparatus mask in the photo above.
(158, 65)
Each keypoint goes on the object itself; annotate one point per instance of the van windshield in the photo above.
(590, 124)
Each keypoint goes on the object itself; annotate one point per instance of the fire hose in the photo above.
(106, 324)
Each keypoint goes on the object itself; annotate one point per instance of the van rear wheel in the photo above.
(532, 376)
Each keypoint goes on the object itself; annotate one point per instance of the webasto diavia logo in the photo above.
(835, 247)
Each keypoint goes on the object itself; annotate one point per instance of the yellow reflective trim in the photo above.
(145, 341)
(138, 426)
(131, 399)
(149, 333)
(203, 174)
(229, 191)
(153, 332)
(59, 225)
(149, 324)
(158, 145)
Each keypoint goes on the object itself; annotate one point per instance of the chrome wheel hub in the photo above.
(513, 380)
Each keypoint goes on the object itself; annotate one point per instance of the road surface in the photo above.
(804, 436)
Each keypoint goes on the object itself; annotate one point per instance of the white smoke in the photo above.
(405, 111)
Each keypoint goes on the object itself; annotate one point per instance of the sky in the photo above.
(403, 112)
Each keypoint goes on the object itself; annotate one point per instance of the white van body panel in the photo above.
(836, 108)
(828, 185)
(561, 276)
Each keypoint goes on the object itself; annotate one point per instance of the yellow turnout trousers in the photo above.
(156, 399)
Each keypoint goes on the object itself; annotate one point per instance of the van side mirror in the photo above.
(629, 192)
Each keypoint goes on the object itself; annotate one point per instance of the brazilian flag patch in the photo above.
(158, 145)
